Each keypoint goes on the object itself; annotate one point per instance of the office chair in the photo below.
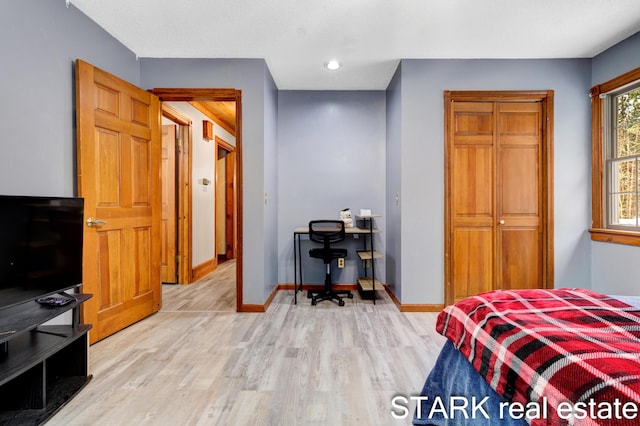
(327, 232)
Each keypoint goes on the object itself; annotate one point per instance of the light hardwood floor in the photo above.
(197, 362)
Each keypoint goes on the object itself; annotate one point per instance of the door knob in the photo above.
(92, 221)
(501, 222)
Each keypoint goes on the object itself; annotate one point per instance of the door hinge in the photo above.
(178, 258)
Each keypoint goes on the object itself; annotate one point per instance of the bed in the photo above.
(538, 357)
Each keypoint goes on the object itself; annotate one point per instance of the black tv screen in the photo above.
(40, 246)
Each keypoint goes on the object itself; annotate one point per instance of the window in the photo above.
(616, 160)
(622, 138)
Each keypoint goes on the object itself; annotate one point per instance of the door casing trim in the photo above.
(189, 95)
(546, 98)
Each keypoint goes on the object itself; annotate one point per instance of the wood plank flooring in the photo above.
(197, 362)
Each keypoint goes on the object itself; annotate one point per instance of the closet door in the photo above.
(496, 235)
(519, 197)
(472, 197)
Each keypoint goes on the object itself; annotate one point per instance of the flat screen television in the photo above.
(40, 247)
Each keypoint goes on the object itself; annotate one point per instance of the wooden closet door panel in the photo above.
(519, 181)
(472, 166)
(520, 260)
(473, 273)
(471, 196)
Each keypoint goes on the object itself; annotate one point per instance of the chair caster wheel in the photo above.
(350, 296)
(340, 302)
(314, 302)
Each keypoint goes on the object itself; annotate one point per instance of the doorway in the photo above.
(498, 192)
(176, 208)
(225, 200)
(185, 180)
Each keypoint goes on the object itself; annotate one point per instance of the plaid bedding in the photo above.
(573, 352)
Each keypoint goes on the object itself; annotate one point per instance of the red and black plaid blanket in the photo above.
(572, 352)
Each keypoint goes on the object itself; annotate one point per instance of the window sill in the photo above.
(615, 236)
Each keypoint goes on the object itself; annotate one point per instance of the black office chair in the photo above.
(327, 232)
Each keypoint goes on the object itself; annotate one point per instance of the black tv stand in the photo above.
(41, 366)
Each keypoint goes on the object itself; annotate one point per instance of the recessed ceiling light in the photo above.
(333, 64)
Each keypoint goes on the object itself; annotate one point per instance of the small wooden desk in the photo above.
(297, 253)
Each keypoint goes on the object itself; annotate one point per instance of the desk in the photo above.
(297, 253)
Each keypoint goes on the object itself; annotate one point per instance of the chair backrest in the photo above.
(326, 231)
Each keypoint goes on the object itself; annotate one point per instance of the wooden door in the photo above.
(498, 175)
(519, 197)
(118, 155)
(168, 270)
(230, 204)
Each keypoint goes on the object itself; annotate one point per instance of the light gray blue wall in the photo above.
(331, 155)
(616, 60)
(393, 253)
(250, 76)
(40, 40)
(39, 43)
(270, 184)
(422, 162)
(614, 267)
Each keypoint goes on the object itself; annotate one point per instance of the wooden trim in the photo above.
(548, 189)
(497, 96)
(239, 202)
(402, 308)
(207, 129)
(187, 95)
(261, 308)
(306, 287)
(413, 307)
(175, 115)
(422, 308)
(185, 207)
(619, 81)
(252, 308)
(546, 97)
(221, 143)
(615, 236)
(212, 117)
(448, 290)
(597, 160)
(203, 269)
(393, 296)
(598, 231)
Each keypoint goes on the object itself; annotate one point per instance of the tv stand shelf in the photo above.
(41, 366)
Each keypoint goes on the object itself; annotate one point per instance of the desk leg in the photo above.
(300, 259)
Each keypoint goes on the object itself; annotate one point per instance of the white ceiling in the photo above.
(369, 37)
